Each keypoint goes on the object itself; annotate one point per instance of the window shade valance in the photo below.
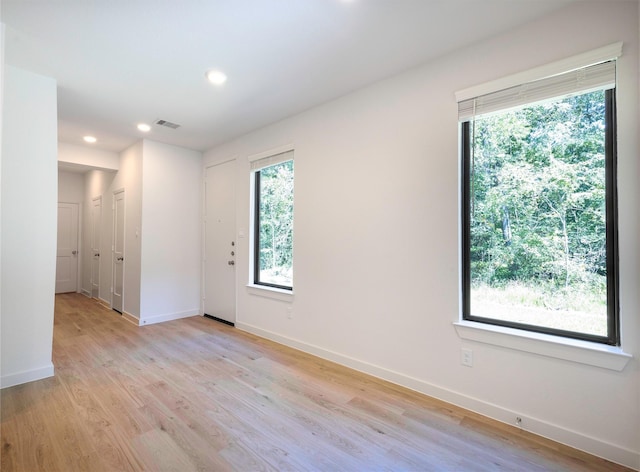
(259, 162)
(588, 71)
(596, 77)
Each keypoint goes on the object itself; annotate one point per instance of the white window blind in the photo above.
(259, 162)
(600, 76)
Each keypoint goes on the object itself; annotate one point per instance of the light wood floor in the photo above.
(194, 394)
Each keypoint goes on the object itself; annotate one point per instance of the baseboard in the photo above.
(130, 318)
(542, 428)
(147, 320)
(27, 376)
(86, 293)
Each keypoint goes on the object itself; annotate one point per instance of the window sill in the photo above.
(270, 292)
(582, 352)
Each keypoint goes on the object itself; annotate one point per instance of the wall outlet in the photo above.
(466, 357)
(290, 312)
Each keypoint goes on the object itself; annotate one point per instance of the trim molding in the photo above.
(270, 292)
(27, 376)
(104, 302)
(129, 317)
(167, 317)
(583, 352)
(542, 428)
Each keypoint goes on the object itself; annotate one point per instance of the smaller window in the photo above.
(273, 221)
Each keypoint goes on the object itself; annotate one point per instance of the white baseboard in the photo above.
(130, 318)
(86, 293)
(543, 428)
(147, 320)
(27, 376)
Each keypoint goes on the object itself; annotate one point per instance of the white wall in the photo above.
(29, 209)
(1, 127)
(376, 239)
(171, 232)
(74, 154)
(162, 230)
(70, 187)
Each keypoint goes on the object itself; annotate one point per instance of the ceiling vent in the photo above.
(167, 124)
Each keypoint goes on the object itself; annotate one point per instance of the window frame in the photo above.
(255, 276)
(613, 323)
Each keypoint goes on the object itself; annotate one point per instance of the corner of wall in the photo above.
(29, 250)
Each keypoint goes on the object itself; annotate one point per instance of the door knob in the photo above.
(231, 262)
(74, 252)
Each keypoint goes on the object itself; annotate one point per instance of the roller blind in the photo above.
(587, 79)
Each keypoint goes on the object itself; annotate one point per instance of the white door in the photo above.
(96, 227)
(220, 249)
(67, 261)
(118, 251)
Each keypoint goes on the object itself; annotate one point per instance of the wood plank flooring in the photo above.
(197, 395)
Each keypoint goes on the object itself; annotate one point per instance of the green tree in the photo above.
(276, 220)
(538, 194)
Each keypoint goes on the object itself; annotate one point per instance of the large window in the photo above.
(539, 206)
(273, 221)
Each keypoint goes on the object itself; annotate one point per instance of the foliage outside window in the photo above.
(273, 226)
(539, 226)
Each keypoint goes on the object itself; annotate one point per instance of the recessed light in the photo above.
(90, 139)
(216, 77)
(145, 128)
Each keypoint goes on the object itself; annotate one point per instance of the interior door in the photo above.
(118, 251)
(96, 227)
(67, 256)
(220, 249)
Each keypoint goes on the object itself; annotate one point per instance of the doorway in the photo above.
(67, 253)
(220, 244)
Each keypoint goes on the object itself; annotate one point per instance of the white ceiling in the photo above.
(121, 62)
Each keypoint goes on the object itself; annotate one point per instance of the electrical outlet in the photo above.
(466, 357)
(518, 422)
(290, 312)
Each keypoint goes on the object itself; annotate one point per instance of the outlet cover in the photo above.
(466, 357)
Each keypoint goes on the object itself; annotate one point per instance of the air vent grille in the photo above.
(167, 124)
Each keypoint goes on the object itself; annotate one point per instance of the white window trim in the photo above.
(557, 347)
(582, 352)
(253, 288)
(270, 292)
